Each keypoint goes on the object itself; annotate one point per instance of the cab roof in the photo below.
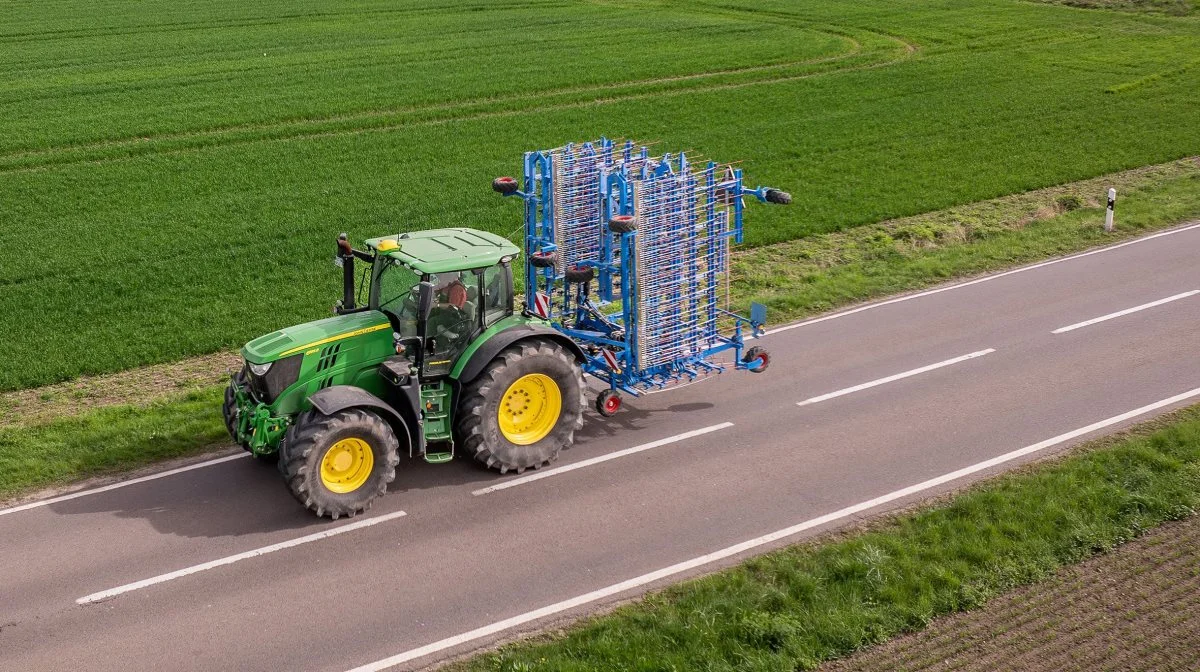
(442, 250)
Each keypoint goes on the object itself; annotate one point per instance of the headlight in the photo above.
(259, 369)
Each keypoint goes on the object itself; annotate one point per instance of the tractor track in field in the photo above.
(193, 142)
(117, 149)
(1135, 608)
(182, 26)
(390, 111)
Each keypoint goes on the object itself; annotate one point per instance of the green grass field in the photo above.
(172, 175)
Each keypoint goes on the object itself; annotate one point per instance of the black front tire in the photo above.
(478, 425)
(311, 437)
(229, 407)
(229, 410)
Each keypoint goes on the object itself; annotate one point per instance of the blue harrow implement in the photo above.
(653, 235)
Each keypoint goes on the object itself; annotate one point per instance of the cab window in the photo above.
(396, 293)
(497, 295)
(453, 320)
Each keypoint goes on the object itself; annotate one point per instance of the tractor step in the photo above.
(438, 458)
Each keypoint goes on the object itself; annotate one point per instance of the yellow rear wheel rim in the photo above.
(529, 409)
(347, 465)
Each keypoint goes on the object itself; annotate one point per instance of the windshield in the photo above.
(396, 290)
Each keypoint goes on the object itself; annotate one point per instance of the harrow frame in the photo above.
(654, 234)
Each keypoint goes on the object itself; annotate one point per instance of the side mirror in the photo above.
(425, 300)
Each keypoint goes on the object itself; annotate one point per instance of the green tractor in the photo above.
(437, 362)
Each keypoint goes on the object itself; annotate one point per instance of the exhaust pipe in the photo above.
(345, 256)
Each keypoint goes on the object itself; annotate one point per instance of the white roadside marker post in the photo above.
(1108, 214)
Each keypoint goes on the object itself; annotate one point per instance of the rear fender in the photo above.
(494, 345)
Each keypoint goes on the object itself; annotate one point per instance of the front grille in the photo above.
(279, 377)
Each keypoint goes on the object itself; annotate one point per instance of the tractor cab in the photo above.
(440, 290)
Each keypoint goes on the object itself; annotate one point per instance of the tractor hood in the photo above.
(304, 337)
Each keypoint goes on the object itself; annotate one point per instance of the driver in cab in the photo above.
(453, 314)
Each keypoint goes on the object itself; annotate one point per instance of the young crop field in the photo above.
(1137, 608)
(172, 175)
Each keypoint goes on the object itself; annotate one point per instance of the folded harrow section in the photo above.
(629, 254)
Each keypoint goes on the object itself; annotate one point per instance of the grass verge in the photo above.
(801, 277)
(809, 603)
(795, 279)
(108, 440)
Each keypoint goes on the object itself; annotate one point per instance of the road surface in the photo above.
(217, 568)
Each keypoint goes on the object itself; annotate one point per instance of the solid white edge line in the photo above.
(986, 278)
(537, 476)
(120, 484)
(636, 582)
(1122, 313)
(186, 571)
(889, 379)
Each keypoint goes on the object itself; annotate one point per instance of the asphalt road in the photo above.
(459, 568)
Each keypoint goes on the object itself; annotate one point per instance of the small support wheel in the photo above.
(542, 259)
(608, 403)
(622, 223)
(504, 186)
(580, 274)
(778, 197)
(756, 359)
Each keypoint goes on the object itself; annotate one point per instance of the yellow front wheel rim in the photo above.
(529, 409)
(347, 465)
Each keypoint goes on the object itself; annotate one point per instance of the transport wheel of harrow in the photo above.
(542, 259)
(622, 223)
(608, 403)
(229, 411)
(504, 185)
(580, 274)
(337, 465)
(777, 196)
(523, 408)
(757, 353)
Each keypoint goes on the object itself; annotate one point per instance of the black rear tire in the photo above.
(478, 425)
(308, 441)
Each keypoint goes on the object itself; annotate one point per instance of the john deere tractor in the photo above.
(436, 362)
